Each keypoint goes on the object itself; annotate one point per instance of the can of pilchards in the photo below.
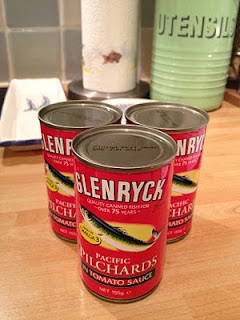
(187, 126)
(60, 123)
(123, 178)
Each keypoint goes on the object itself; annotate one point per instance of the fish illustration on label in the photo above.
(183, 184)
(116, 237)
(62, 182)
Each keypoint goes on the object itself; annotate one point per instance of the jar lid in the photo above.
(170, 117)
(124, 148)
(79, 114)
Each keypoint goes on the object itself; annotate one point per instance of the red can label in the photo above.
(122, 227)
(185, 180)
(59, 171)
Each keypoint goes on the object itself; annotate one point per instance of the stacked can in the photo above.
(60, 123)
(187, 126)
(123, 179)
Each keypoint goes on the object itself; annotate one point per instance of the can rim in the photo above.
(129, 114)
(155, 134)
(81, 103)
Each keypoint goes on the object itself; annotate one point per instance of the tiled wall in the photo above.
(42, 38)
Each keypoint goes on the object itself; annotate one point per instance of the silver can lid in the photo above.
(170, 117)
(73, 115)
(122, 148)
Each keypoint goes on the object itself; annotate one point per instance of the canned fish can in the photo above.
(187, 126)
(60, 123)
(123, 178)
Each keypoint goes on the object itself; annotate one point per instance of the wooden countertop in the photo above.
(38, 272)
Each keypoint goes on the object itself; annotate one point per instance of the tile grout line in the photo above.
(6, 34)
(61, 28)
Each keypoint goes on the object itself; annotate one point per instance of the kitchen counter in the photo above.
(39, 276)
